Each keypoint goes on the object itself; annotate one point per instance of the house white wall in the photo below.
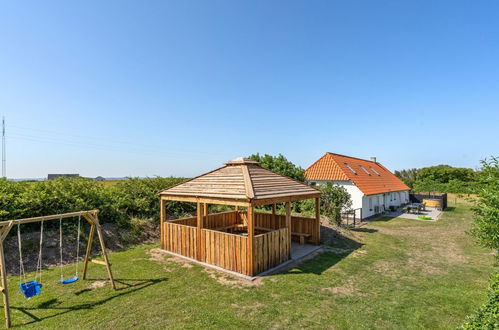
(355, 193)
(370, 203)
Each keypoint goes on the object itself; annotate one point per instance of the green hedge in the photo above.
(487, 316)
(118, 203)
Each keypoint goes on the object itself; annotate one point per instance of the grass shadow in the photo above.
(139, 284)
(337, 247)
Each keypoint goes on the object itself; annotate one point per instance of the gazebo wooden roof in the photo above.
(240, 181)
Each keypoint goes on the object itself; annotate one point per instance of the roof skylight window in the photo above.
(351, 169)
(375, 172)
(365, 170)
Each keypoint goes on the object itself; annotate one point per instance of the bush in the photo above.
(118, 203)
(487, 316)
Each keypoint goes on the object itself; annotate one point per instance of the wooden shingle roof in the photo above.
(369, 176)
(242, 179)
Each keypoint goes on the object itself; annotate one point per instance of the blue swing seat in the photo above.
(71, 280)
(30, 289)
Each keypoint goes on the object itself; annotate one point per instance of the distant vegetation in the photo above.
(441, 178)
(118, 203)
(279, 164)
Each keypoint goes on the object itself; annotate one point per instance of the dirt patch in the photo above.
(234, 282)
(97, 284)
(387, 268)
(347, 289)
(162, 256)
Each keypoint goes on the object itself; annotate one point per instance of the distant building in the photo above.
(372, 186)
(55, 176)
(99, 178)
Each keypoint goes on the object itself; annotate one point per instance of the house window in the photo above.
(375, 172)
(370, 203)
(365, 170)
(313, 184)
(351, 169)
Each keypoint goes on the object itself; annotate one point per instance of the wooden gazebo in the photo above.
(241, 240)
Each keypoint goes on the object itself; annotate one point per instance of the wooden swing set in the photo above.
(90, 216)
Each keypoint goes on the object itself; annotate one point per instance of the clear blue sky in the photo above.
(143, 88)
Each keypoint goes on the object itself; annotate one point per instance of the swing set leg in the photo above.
(5, 292)
(94, 222)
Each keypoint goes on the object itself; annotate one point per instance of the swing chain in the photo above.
(60, 247)
(78, 245)
(22, 274)
(39, 264)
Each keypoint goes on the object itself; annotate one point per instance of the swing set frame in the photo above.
(90, 216)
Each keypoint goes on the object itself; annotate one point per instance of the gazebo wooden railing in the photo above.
(243, 241)
(221, 247)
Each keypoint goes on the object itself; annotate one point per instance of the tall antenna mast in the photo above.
(4, 160)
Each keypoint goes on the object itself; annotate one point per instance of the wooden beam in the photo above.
(208, 200)
(103, 248)
(251, 236)
(248, 185)
(199, 253)
(283, 199)
(318, 219)
(89, 250)
(162, 218)
(5, 231)
(205, 210)
(274, 213)
(54, 217)
(98, 262)
(288, 225)
(5, 291)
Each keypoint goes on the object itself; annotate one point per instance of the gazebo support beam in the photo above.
(251, 235)
(162, 219)
(199, 227)
(288, 225)
(318, 218)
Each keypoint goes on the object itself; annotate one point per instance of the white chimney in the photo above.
(373, 159)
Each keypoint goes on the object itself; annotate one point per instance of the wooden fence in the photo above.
(220, 220)
(229, 251)
(181, 239)
(225, 250)
(270, 249)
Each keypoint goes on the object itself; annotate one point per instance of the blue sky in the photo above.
(143, 88)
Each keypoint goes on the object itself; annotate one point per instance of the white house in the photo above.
(372, 187)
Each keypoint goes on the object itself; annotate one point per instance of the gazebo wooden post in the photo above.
(288, 225)
(273, 214)
(162, 219)
(318, 218)
(199, 227)
(251, 235)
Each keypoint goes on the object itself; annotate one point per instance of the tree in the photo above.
(407, 176)
(281, 165)
(334, 200)
(486, 226)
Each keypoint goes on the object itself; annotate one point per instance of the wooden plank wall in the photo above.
(217, 220)
(306, 226)
(181, 239)
(270, 249)
(226, 250)
(192, 221)
(267, 220)
(298, 224)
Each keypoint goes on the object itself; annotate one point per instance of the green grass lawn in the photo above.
(404, 274)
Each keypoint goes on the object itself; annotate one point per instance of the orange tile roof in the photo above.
(336, 167)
